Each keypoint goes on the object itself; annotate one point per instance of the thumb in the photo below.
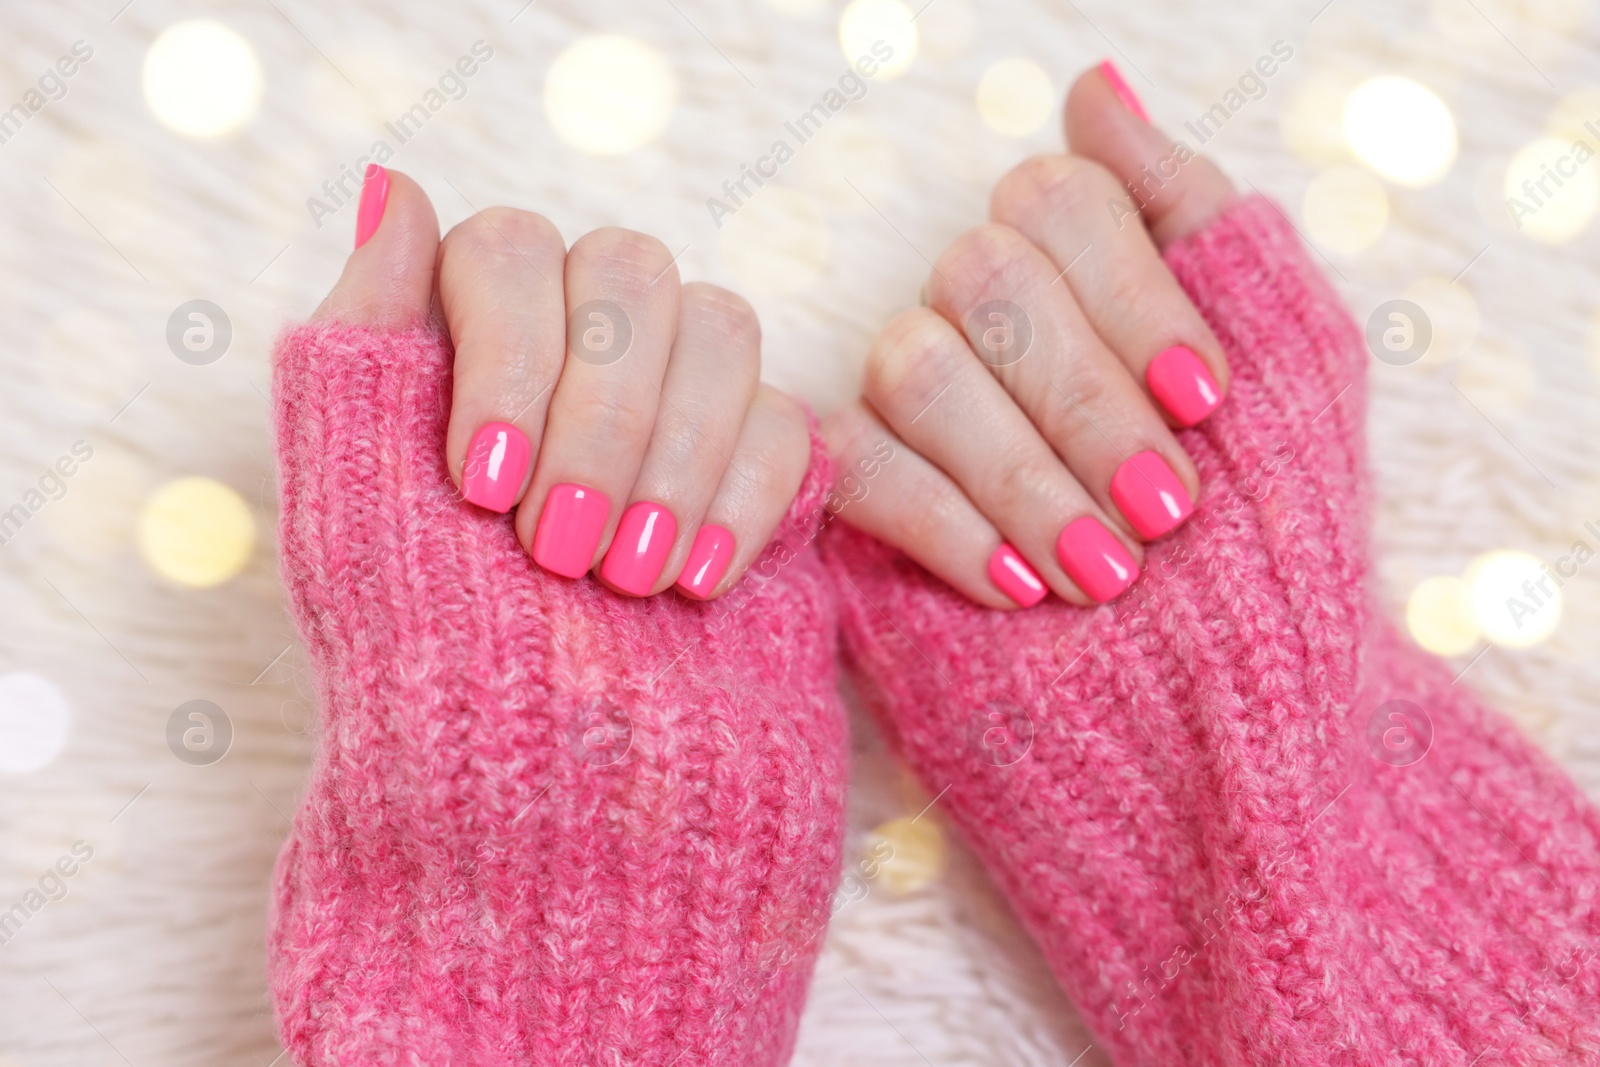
(388, 279)
(1178, 191)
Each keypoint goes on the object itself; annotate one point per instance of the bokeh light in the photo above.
(916, 854)
(1550, 195)
(1515, 603)
(202, 78)
(34, 719)
(609, 94)
(777, 242)
(1440, 618)
(1345, 209)
(1015, 97)
(1401, 129)
(866, 22)
(196, 532)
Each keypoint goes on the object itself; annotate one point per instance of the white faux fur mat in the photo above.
(150, 950)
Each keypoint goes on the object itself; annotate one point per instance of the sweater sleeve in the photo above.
(1244, 819)
(546, 824)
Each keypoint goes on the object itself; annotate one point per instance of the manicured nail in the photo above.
(1012, 576)
(374, 195)
(569, 531)
(639, 551)
(1125, 93)
(1149, 495)
(497, 461)
(1095, 559)
(708, 561)
(1183, 384)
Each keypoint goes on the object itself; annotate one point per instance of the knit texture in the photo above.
(1202, 800)
(546, 824)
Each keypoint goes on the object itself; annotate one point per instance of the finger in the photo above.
(913, 505)
(710, 381)
(1075, 210)
(763, 475)
(1074, 390)
(621, 315)
(388, 279)
(501, 290)
(925, 382)
(1179, 192)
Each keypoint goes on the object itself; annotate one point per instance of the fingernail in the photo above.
(1183, 384)
(1012, 576)
(1149, 495)
(1095, 559)
(1124, 91)
(497, 461)
(569, 531)
(708, 561)
(374, 195)
(639, 551)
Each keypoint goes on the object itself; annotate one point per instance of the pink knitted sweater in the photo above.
(1247, 822)
(546, 825)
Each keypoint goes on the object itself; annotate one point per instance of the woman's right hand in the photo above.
(619, 412)
(1030, 407)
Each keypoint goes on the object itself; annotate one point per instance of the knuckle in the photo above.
(1129, 289)
(680, 444)
(910, 358)
(935, 512)
(502, 231)
(726, 316)
(981, 261)
(1055, 184)
(614, 416)
(1083, 389)
(1065, 410)
(1021, 479)
(625, 255)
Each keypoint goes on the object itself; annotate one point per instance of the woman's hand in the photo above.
(618, 411)
(1031, 403)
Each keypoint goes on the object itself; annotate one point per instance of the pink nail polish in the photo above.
(569, 530)
(497, 461)
(1095, 559)
(1183, 384)
(639, 551)
(708, 561)
(1125, 93)
(1149, 495)
(374, 195)
(1012, 576)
